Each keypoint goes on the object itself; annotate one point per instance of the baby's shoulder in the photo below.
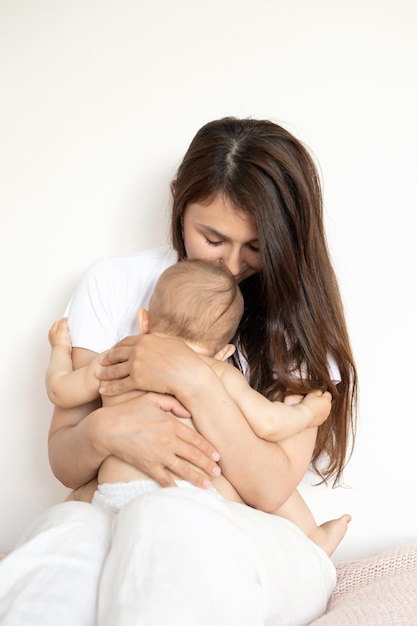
(223, 369)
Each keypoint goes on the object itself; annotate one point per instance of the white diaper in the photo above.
(113, 496)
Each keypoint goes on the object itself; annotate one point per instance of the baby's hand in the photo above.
(320, 404)
(59, 334)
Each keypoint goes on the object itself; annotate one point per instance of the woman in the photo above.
(246, 195)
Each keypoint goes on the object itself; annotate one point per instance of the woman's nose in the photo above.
(233, 262)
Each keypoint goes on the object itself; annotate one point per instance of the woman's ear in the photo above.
(226, 352)
(143, 321)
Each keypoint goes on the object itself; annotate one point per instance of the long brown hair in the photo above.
(293, 323)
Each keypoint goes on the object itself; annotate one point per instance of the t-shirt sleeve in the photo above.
(92, 310)
(334, 372)
(104, 306)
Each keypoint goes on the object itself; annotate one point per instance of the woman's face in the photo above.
(217, 232)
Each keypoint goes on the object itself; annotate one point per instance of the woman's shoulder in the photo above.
(103, 308)
(141, 264)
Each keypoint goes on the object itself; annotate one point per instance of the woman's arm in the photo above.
(140, 432)
(263, 473)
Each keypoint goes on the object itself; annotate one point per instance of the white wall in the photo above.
(98, 102)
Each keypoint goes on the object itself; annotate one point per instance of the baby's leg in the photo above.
(297, 511)
(327, 536)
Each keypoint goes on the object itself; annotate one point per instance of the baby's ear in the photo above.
(143, 321)
(226, 352)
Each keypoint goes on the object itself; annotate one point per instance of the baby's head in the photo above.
(198, 301)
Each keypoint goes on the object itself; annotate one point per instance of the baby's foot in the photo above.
(329, 535)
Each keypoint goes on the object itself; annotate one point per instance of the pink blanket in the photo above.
(379, 591)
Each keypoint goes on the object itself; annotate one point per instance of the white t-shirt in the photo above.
(103, 308)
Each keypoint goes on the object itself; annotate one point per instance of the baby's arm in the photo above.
(66, 387)
(276, 421)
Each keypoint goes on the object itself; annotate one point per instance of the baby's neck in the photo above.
(199, 349)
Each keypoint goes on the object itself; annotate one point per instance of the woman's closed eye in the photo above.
(213, 243)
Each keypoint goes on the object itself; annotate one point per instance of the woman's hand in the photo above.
(149, 362)
(139, 431)
(150, 439)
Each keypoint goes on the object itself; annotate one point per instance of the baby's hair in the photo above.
(198, 301)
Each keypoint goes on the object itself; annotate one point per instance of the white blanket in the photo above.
(183, 557)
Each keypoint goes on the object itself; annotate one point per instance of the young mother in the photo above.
(247, 195)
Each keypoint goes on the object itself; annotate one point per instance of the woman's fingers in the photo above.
(182, 471)
(187, 463)
(115, 369)
(115, 366)
(148, 362)
(150, 439)
(117, 354)
(115, 387)
(190, 459)
(197, 445)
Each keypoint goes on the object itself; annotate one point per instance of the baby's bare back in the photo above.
(114, 470)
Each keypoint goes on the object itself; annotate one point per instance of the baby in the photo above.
(200, 303)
